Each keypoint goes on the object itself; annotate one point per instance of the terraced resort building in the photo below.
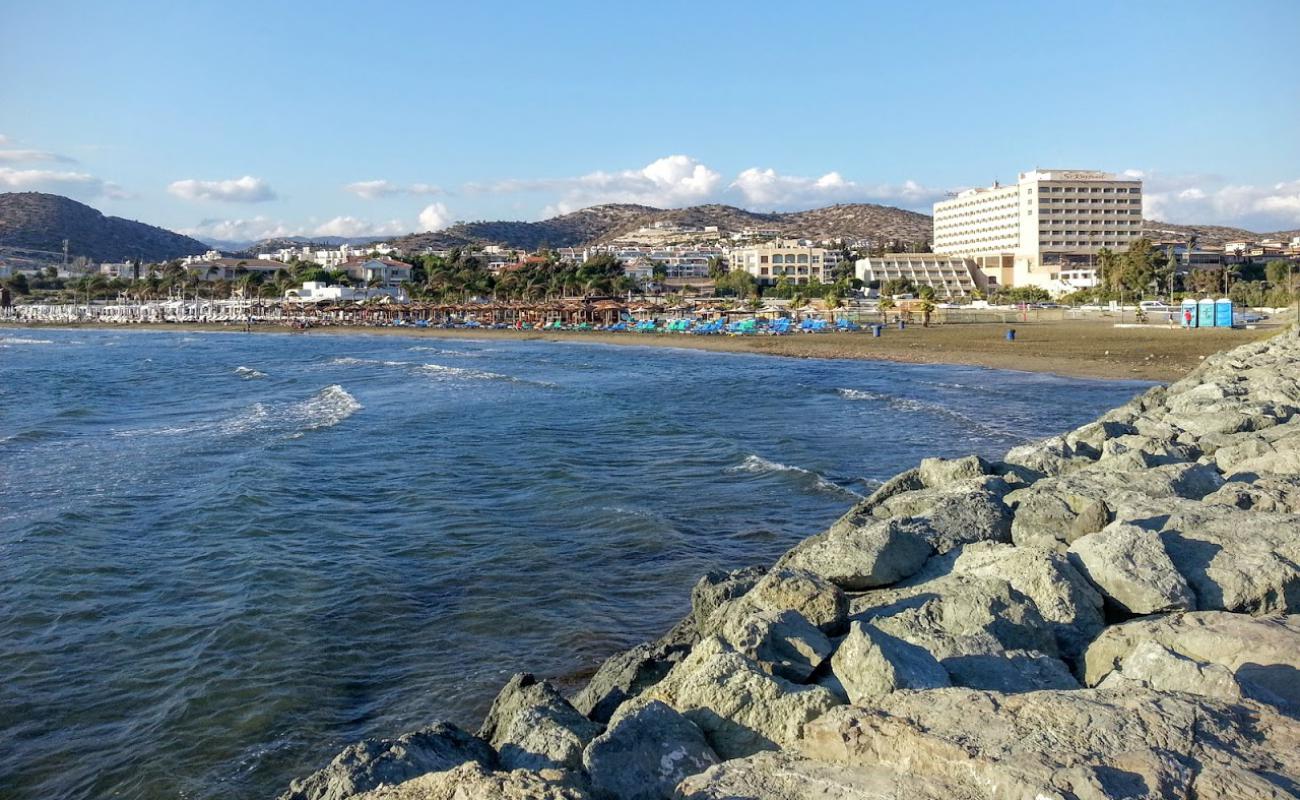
(1045, 230)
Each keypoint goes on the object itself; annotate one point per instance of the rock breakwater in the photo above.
(1110, 613)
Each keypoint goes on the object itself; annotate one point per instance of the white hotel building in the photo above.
(1045, 230)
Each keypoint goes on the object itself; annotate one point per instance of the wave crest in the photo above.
(756, 464)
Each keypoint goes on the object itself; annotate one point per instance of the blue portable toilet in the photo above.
(1183, 319)
(1223, 313)
(1205, 313)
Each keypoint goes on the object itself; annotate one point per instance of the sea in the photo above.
(225, 556)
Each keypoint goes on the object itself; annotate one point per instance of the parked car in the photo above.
(1090, 307)
(1154, 305)
(1247, 317)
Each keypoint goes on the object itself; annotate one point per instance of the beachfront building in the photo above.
(384, 272)
(797, 263)
(1048, 223)
(948, 275)
(229, 269)
(320, 292)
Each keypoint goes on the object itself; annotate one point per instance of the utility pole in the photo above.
(65, 256)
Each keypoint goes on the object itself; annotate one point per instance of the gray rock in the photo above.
(782, 643)
(1247, 562)
(1068, 603)
(874, 554)
(718, 588)
(740, 708)
(1084, 743)
(473, 782)
(646, 752)
(782, 776)
(1055, 512)
(954, 514)
(373, 762)
(1009, 671)
(1048, 458)
(1090, 439)
(625, 675)
(1261, 653)
(958, 615)
(1268, 494)
(1130, 567)
(1143, 452)
(870, 664)
(532, 726)
(787, 588)
(937, 473)
(1152, 666)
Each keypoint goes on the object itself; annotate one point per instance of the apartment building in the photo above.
(797, 263)
(1045, 230)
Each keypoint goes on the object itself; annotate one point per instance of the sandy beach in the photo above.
(1076, 348)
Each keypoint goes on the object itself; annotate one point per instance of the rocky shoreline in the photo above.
(1110, 613)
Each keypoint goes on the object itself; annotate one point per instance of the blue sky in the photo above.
(237, 119)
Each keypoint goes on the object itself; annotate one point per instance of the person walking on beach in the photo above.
(1187, 318)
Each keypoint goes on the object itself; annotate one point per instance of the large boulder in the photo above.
(648, 749)
(1130, 567)
(785, 588)
(1242, 561)
(1083, 743)
(1261, 653)
(1056, 511)
(717, 588)
(953, 514)
(936, 473)
(1275, 451)
(740, 708)
(533, 727)
(783, 776)
(1152, 666)
(862, 557)
(1037, 460)
(1268, 494)
(1068, 603)
(782, 643)
(1009, 671)
(473, 782)
(625, 675)
(870, 664)
(375, 762)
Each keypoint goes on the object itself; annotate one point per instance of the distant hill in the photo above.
(34, 221)
(607, 222)
(1207, 234)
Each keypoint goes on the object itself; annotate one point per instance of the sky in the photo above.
(241, 120)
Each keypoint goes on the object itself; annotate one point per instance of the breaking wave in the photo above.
(758, 465)
(7, 340)
(248, 373)
(912, 405)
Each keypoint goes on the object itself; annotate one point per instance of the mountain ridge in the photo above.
(38, 223)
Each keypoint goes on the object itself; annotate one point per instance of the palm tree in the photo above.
(885, 305)
(833, 301)
(926, 307)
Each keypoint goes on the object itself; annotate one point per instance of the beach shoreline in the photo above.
(1077, 349)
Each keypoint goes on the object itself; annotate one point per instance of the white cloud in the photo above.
(1210, 200)
(17, 156)
(236, 190)
(81, 184)
(4, 139)
(767, 189)
(351, 226)
(680, 180)
(670, 181)
(240, 230)
(371, 190)
(434, 217)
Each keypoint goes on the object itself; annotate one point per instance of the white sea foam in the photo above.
(912, 405)
(248, 373)
(441, 370)
(326, 408)
(759, 465)
(6, 340)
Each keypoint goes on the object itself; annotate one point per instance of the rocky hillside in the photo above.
(1110, 613)
(1207, 234)
(33, 221)
(605, 223)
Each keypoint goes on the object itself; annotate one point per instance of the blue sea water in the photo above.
(224, 556)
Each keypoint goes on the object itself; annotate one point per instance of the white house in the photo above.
(386, 271)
